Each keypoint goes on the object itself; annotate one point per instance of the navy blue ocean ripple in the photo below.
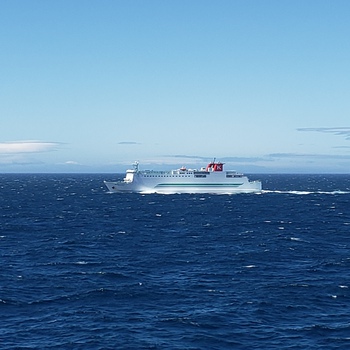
(85, 269)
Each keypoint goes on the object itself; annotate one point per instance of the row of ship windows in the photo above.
(196, 175)
(167, 176)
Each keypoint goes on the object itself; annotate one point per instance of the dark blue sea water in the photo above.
(85, 269)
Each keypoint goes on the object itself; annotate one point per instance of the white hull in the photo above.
(184, 181)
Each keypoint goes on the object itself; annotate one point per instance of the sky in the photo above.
(93, 85)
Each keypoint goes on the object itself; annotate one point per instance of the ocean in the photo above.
(82, 268)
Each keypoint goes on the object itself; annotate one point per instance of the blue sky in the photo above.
(91, 86)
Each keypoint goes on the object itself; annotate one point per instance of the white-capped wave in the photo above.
(306, 192)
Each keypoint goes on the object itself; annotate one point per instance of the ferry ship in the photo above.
(209, 179)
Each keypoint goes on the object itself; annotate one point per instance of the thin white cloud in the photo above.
(221, 159)
(71, 162)
(128, 143)
(17, 147)
(339, 131)
(311, 156)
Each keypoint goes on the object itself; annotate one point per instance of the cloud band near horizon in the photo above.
(17, 147)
